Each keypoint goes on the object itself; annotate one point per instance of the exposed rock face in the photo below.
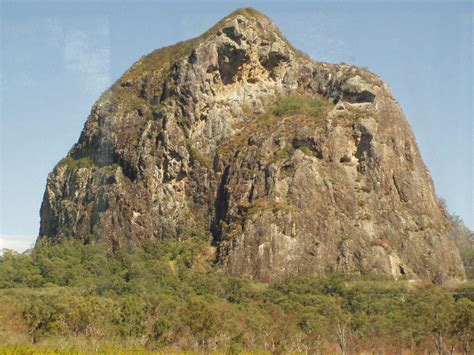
(294, 166)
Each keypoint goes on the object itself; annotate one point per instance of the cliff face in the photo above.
(294, 166)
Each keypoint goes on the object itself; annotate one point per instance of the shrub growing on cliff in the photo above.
(72, 163)
(292, 105)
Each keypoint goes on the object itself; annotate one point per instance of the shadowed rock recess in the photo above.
(294, 166)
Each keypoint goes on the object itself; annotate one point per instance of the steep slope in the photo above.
(294, 166)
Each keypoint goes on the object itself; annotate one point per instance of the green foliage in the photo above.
(285, 153)
(301, 105)
(306, 150)
(463, 326)
(73, 164)
(166, 296)
(45, 316)
(17, 270)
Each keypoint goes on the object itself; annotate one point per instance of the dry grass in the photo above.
(302, 105)
(74, 164)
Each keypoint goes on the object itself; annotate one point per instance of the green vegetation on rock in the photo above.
(301, 105)
(286, 152)
(72, 163)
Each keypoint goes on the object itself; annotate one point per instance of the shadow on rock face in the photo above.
(359, 97)
(230, 59)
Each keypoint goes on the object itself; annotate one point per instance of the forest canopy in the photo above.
(167, 296)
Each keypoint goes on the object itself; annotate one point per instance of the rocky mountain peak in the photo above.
(241, 38)
(287, 165)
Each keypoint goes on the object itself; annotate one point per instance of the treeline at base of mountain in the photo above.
(166, 296)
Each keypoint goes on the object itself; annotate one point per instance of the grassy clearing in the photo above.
(301, 105)
(74, 164)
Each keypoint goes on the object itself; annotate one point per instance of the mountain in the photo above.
(293, 166)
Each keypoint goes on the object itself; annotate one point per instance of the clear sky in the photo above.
(57, 57)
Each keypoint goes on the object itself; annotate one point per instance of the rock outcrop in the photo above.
(293, 166)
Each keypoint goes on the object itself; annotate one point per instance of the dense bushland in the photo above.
(167, 296)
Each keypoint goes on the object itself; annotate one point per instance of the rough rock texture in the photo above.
(294, 166)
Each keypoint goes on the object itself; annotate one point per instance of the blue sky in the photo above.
(57, 57)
